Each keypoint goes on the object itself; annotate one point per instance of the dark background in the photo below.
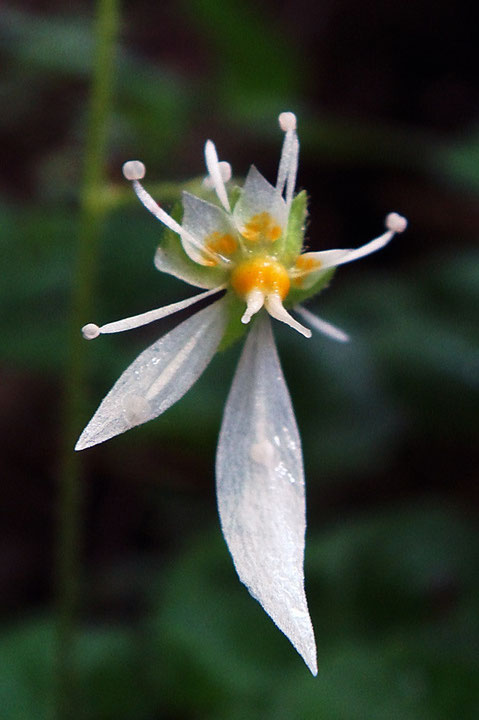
(387, 103)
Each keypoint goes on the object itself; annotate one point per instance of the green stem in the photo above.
(69, 542)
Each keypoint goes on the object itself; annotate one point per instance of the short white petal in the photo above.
(158, 377)
(259, 196)
(201, 219)
(260, 488)
(193, 274)
(326, 258)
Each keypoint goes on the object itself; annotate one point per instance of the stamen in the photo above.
(395, 224)
(213, 165)
(92, 331)
(134, 169)
(288, 164)
(275, 308)
(254, 303)
(292, 171)
(322, 326)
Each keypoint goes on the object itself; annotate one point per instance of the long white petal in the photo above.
(322, 326)
(158, 377)
(260, 488)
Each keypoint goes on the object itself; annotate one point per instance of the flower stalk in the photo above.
(91, 215)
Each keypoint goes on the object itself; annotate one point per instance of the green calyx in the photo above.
(294, 236)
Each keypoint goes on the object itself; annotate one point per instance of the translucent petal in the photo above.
(182, 267)
(201, 219)
(327, 258)
(158, 377)
(260, 488)
(257, 197)
(311, 266)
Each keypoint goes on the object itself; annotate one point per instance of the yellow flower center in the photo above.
(260, 273)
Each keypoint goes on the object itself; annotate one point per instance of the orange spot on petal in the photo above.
(261, 228)
(307, 264)
(222, 243)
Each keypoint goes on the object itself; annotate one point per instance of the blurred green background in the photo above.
(387, 101)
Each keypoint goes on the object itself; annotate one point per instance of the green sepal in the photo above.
(297, 295)
(293, 240)
(235, 329)
(192, 271)
(234, 195)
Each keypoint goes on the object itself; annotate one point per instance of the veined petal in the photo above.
(211, 226)
(258, 198)
(260, 488)
(158, 377)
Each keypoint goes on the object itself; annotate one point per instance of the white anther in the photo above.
(287, 121)
(396, 223)
(134, 170)
(225, 171)
(90, 331)
(254, 303)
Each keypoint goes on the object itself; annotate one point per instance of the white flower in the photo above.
(252, 249)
